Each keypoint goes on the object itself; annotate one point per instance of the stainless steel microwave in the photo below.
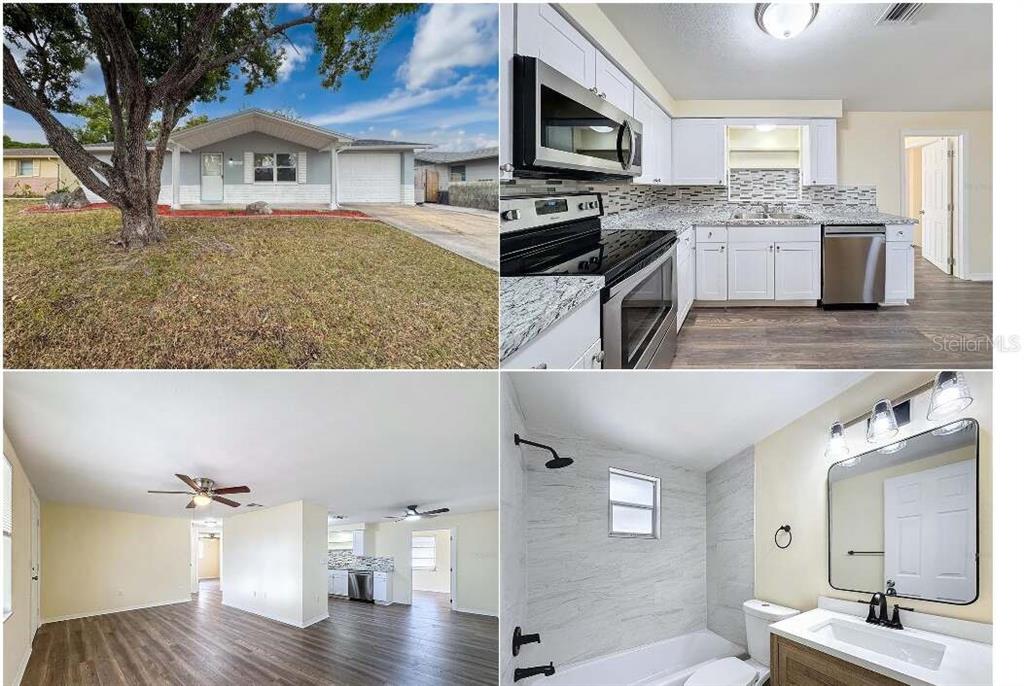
(561, 129)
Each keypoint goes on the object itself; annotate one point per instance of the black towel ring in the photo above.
(784, 528)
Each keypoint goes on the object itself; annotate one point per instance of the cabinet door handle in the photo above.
(721, 248)
(778, 248)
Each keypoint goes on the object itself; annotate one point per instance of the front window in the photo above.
(264, 171)
(26, 168)
(458, 172)
(286, 166)
(634, 504)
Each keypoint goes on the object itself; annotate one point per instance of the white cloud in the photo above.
(395, 102)
(448, 37)
(295, 55)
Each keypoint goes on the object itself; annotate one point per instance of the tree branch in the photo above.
(199, 39)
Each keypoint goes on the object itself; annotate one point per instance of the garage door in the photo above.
(370, 177)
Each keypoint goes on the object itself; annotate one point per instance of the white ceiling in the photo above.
(696, 419)
(715, 51)
(363, 444)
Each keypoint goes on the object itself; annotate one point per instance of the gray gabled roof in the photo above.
(48, 152)
(436, 157)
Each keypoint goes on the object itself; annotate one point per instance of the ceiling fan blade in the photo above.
(174, 492)
(232, 489)
(191, 505)
(188, 481)
(226, 501)
(433, 513)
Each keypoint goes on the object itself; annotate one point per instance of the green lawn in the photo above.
(240, 293)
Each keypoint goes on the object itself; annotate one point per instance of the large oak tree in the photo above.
(156, 61)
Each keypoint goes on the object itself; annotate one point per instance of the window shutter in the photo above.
(250, 163)
(300, 173)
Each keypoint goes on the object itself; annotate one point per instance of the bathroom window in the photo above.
(634, 504)
(424, 553)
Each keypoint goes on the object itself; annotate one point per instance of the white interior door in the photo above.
(453, 558)
(936, 227)
(931, 535)
(34, 618)
(211, 177)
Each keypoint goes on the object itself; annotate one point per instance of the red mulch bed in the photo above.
(166, 211)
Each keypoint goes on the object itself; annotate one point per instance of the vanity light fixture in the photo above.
(893, 448)
(950, 395)
(784, 20)
(837, 449)
(949, 429)
(882, 422)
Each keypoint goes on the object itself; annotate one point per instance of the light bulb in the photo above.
(201, 500)
(412, 518)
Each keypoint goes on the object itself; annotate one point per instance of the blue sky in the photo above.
(435, 81)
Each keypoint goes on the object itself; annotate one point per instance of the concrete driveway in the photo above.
(470, 233)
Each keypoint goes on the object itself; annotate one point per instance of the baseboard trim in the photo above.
(96, 613)
(272, 618)
(23, 666)
(315, 621)
(981, 277)
(471, 611)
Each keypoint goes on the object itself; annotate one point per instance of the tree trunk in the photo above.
(140, 225)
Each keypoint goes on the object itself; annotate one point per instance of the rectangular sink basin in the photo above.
(890, 642)
(787, 215)
(749, 215)
(770, 215)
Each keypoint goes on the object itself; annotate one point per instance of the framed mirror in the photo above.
(903, 519)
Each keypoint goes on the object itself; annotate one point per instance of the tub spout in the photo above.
(546, 670)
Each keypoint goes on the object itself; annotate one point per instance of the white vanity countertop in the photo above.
(964, 663)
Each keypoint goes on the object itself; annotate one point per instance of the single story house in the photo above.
(35, 172)
(474, 165)
(258, 155)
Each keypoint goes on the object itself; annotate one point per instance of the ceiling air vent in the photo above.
(900, 13)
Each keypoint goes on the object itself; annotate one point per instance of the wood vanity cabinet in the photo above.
(794, 664)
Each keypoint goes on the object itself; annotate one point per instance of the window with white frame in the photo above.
(26, 167)
(286, 163)
(271, 167)
(263, 171)
(634, 504)
(8, 516)
(457, 172)
(424, 553)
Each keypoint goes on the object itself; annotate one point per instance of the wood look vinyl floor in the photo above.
(205, 643)
(948, 325)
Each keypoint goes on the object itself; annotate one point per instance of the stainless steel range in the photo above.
(545, 235)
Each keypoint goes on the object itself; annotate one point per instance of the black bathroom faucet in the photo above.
(883, 614)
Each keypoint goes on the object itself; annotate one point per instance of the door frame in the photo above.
(35, 554)
(452, 565)
(221, 155)
(960, 228)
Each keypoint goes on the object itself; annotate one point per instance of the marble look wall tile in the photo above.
(346, 559)
(512, 566)
(730, 544)
(771, 185)
(590, 594)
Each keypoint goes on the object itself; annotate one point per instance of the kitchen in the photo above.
(663, 207)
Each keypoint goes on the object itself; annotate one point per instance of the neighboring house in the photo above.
(258, 155)
(474, 165)
(35, 172)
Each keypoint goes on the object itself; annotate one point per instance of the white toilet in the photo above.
(732, 671)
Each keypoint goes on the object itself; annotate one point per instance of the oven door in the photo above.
(562, 128)
(638, 317)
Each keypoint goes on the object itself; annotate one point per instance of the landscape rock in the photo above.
(258, 207)
(63, 200)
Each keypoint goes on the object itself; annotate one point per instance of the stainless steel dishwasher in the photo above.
(360, 585)
(853, 264)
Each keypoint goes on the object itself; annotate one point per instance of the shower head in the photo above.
(555, 462)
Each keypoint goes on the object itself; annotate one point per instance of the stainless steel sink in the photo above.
(781, 216)
(787, 215)
(750, 215)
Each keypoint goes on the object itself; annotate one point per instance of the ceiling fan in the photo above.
(203, 492)
(411, 514)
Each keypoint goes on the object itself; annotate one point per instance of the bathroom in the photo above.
(715, 529)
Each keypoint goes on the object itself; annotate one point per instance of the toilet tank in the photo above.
(759, 615)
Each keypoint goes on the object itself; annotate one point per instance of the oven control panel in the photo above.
(529, 212)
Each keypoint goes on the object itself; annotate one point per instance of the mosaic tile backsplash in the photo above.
(773, 185)
(346, 559)
(633, 196)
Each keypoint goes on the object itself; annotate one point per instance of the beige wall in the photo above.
(314, 563)
(18, 627)
(476, 563)
(870, 148)
(96, 561)
(790, 488)
(209, 559)
(437, 580)
(913, 201)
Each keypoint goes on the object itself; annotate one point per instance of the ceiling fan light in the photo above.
(201, 500)
(784, 20)
(413, 518)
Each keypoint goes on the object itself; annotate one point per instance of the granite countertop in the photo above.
(531, 304)
(680, 217)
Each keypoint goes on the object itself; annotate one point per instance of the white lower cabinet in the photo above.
(751, 270)
(685, 277)
(899, 272)
(798, 270)
(337, 582)
(593, 358)
(712, 272)
(563, 344)
(382, 590)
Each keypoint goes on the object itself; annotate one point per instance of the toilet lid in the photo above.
(728, 671)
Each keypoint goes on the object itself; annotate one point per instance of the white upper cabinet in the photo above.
(698, 152)
(613, 85)
(656, 158)
(818, 159)
(544, 33)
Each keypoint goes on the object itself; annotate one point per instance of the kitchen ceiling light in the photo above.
(950, 395)
(783, 20)
(837, 449)
(201, 500)
(882, 422)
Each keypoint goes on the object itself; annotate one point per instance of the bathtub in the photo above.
(665, 663)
